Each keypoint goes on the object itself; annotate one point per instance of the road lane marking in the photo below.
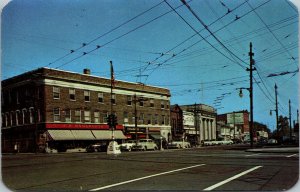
(292, 155)
(231, 178)
(252, 154)
(146, 177)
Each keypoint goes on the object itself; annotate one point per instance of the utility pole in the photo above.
(276, 110)
(233, 126)
(290, 119)
(251, 93)
(135, 119)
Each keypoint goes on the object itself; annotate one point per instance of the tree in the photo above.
(283, 127)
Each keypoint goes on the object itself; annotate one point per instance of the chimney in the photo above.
(86, 71)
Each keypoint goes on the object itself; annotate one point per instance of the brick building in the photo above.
(239, 121)
(176, 122)
(64, 109)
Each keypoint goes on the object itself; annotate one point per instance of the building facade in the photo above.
(177, 122)
(62, 109)
(238, 121)
(199, 121)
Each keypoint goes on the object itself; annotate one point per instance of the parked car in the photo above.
(127, 145)
(179, 144)
(96, 148)
(145, 144)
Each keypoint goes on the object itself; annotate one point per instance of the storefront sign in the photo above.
(80, 126)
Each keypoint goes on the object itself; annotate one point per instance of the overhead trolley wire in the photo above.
(106, 33)
(130, 31)
(271, 32)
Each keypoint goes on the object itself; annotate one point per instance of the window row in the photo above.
(20, 117)
(130, 100)
(86, 116)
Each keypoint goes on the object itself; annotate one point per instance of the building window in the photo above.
(56, 114)
(156, 119)
(113, 99)
(167, 122)
(141, 102)
(23, 116)
(96, 117)
(125, 115)
(163, 119)
(87, 116)
(100, 98)
(105, 115)
(72, 94)
(17, 117)
(56, 93)
(162, 104)
(3, 120)
(149, 121)
(77, 116)
(17, 97)
(141, 118)
(31, 113)
(151, 103)
(168, 105)
(86, 96)
(129, 100)
(67, 115)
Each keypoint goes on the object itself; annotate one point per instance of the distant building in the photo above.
(176, 122)
(199, 122)
(55, 108)
(239, 121)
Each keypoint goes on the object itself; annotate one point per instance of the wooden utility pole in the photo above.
(251, 54)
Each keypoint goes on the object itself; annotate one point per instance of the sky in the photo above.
(199, 51)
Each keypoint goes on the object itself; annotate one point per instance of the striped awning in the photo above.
(60, 135)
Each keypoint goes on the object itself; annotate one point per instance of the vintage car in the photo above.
(145, 144)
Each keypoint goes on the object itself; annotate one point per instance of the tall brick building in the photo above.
(65, 109)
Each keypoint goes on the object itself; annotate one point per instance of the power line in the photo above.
(270, 31)
(212, 34)
(106, 33)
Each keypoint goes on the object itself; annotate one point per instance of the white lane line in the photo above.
(292, 155)
(252, 154)
(146, 177)
(230, 179)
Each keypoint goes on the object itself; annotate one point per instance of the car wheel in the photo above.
(129, 149)
(155, 148)
(145, 148)
(179, 147)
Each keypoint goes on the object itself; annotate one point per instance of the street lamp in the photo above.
(251, 111)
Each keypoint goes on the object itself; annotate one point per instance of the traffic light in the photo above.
(109, 120)
(112, 121)
(115, 120)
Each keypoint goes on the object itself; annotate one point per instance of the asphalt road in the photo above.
(189, 169)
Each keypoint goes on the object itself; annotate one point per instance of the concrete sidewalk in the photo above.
(275, 150)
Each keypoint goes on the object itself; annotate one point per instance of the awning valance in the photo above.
(60, 135)
(105, 135)
(157, 136)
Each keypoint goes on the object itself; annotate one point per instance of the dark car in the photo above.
(96, 148)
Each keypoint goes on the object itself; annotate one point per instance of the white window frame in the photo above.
(72, 92)
(100, 97)
(31, 115)
(56, 116)
(96, 116)
(76, 116)
(56, 90)
(87, 116)
(68, 116)
(87, 94)
(129, 100)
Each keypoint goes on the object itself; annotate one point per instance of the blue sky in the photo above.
(149, 42)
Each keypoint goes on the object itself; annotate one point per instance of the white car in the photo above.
(127, 145)
(145, 144)
(179, 144)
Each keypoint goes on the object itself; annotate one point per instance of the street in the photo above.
(180, 169)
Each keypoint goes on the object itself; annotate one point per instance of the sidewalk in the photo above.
(275, 150)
